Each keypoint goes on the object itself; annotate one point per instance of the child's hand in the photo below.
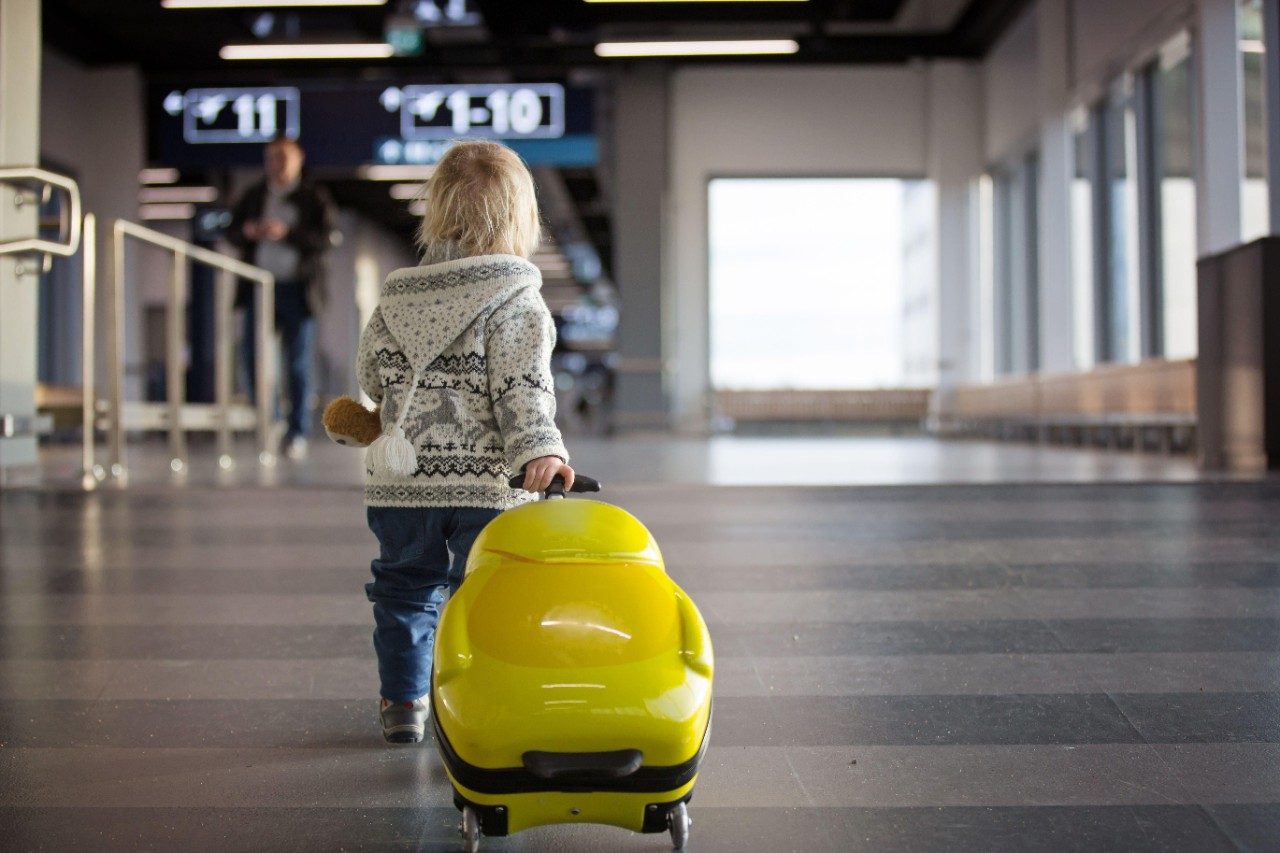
(539, 473)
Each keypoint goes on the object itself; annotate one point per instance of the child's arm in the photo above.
(375, 334)
(522, 391)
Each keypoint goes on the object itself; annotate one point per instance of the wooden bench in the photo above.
(1113, 405)
(873, 406)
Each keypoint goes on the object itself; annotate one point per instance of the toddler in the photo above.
(458, 354)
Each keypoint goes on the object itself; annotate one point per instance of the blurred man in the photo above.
(285, 224)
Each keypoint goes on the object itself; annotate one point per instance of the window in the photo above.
(1015, 267)
(1116, 287)
(808, 282)
(1253, 193)
(1171, 287)
(1085, 133)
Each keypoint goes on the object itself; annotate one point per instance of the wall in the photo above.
(91, 124)
(357, 268)
(774, 121)
(1012, 90)
(1105, 35)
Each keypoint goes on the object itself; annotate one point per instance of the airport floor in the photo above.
(1056, 651)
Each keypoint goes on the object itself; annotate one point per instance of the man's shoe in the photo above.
(296, 448)
(404, 722)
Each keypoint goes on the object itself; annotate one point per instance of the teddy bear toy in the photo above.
(351, 424)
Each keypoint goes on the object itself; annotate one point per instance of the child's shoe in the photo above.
(404, 722)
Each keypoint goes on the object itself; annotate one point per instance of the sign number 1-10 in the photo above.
(518, 112)
(511, 111)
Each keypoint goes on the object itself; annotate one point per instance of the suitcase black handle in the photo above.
(581, 484)
(583, 766)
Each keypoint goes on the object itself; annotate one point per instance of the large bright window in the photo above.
(821, 283)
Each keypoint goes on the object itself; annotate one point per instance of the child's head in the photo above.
(480, 198)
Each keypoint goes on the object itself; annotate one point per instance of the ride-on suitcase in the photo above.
(572, 677)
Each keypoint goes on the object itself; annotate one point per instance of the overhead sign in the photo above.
(258, 114)
(351, 123)
(501, 111)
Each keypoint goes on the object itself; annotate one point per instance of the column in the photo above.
(1057, 317)
(640, 176)
(955, 162)
(1219, 129)
(19, 146)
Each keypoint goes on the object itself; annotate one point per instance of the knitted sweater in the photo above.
(478, 336)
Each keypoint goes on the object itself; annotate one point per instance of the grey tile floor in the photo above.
(977, 666)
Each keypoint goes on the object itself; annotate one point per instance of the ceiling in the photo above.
(532, 36)
(518, 39)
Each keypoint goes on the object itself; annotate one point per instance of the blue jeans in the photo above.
(297, 349)
(410, 580)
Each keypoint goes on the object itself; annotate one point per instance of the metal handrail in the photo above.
(175, 344)
(23, 178)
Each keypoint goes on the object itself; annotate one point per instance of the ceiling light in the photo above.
(697, 48)
(167, 211)
(260, 4)
(158, 176)
(405, 192)
(396, 173)
(363, 50)
(418, 208)
(697, 1)
(194, 195)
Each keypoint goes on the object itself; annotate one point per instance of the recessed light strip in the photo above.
(396, 173)
(365, 50)
(193, 195)
(166, 211)
(697, 1)
(262, 4)
(158, 175)
(749, 47)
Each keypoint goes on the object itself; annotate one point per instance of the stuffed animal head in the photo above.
(351, 424)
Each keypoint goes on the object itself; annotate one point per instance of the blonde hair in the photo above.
(480, 199)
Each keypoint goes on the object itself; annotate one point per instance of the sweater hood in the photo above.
(426, 308)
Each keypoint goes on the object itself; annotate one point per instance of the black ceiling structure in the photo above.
(517, 40)
(518, 36)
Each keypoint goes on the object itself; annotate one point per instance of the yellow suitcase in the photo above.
(572, 676)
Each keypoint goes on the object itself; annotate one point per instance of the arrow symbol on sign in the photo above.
(173, 103)
(209, 107)
(425, 107)
(391, 99)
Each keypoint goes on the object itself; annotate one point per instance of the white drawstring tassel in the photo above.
(391, 453)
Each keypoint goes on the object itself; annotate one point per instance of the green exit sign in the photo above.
(404, 35)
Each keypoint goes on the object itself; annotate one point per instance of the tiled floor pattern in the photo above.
(972, 667)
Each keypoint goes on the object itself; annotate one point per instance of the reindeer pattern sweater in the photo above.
(478, 336)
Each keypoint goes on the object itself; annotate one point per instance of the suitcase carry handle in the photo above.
(581, 484)
(583, 765)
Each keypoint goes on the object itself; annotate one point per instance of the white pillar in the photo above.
(1057, 318)
(19, 146)
(954, 123)
(1220, 126)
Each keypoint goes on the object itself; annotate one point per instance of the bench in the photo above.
(1113, 405)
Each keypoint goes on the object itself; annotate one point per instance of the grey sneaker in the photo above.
(404, 722)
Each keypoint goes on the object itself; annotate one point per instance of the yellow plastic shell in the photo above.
(568, 636)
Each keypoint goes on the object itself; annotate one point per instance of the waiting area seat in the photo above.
(1152, 402)
(901, 406)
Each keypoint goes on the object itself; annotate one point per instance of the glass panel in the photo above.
(1177, 199)
(1082, 238)
(1122, 224)
(807, 281)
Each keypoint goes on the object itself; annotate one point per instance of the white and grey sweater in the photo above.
(478, 335)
